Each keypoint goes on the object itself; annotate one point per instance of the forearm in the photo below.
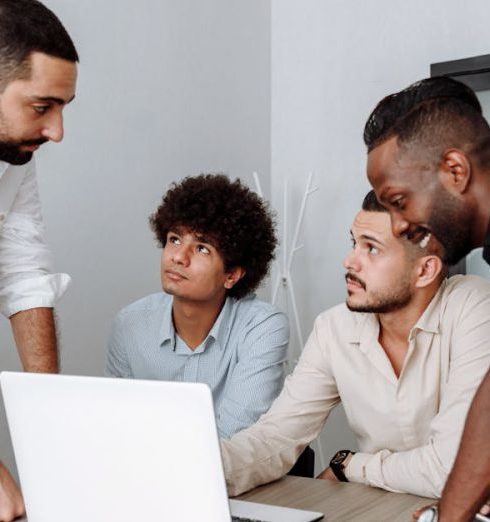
(468, 485)
(417, 471)
(35, 336)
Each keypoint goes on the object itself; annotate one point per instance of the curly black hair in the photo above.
(238, 221)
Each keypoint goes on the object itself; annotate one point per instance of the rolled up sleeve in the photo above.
(26, 280)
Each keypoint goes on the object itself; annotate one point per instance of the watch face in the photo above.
(339, 457)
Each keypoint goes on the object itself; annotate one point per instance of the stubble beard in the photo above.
(384, 302)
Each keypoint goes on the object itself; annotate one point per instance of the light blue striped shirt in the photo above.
(241, 359)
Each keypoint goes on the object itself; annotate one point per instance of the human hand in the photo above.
(416, 514)
(327, 474)
(11, 501)
(485, 510)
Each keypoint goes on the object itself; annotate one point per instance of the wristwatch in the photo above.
(429, 515)
(337, 464)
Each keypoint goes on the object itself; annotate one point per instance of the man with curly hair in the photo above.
(206, 326)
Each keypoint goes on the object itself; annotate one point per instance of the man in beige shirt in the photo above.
(405, 355)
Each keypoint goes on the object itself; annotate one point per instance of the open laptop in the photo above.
(100, 449)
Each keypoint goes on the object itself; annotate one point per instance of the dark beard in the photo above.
(451, 223)
(11, 153)
(383, 305)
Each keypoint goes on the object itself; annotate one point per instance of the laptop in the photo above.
(101, 449)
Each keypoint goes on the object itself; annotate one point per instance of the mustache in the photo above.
(352, 277)
(28, 143)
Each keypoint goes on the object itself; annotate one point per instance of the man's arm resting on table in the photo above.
(11, 502)
(35, 336)
(468, 485)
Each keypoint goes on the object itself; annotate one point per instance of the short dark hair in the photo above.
(370, 203)
(437, 113)
(236, 219)
(28, 26)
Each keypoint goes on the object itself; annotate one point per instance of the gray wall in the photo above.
(167, 88)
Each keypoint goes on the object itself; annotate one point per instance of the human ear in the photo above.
(455, 172)
(429, 269)
(233, 276)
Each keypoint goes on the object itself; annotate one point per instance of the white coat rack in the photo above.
(284, 266)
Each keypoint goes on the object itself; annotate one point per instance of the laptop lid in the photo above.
(102, 449)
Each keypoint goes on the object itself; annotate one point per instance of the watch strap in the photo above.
(337, 464)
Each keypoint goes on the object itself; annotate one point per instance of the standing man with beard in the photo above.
(37, 80)
(402, 355)
(429, 163)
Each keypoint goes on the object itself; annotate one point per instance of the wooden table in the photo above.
(339, 501)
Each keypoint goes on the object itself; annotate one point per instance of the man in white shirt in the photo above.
(37, 79)
(404, 355)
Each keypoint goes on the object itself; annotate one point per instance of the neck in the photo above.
(394, 327)
(193, 320)
(481, 193)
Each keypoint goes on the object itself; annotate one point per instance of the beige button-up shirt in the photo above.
(408, 428)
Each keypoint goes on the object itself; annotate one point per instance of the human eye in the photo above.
(203, 249)
(174, 239)
(353, 242)
(41, 109)
(373, 250)
(397, 202)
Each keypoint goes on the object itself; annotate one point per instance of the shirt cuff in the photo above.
(36, 292)
(356, 469)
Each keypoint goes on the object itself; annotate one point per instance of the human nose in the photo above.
(53, 129)
(181, 255)
(399, 225)
(351, 262)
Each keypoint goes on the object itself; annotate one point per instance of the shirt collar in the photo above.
(429, 321)
(219, 331)
(486, 246)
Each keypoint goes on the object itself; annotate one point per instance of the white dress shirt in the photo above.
(408, 428)
(25, 260)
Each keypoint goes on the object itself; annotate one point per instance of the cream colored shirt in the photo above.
(408, 428)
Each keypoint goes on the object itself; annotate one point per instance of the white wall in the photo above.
(167, 88)
(332, 61)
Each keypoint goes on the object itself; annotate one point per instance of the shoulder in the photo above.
(145, 305)
(464, 302)
(461, 288)
(253, 311)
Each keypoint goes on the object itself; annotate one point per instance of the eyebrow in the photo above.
(52, 99)
(204, 239)
(367, 237)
